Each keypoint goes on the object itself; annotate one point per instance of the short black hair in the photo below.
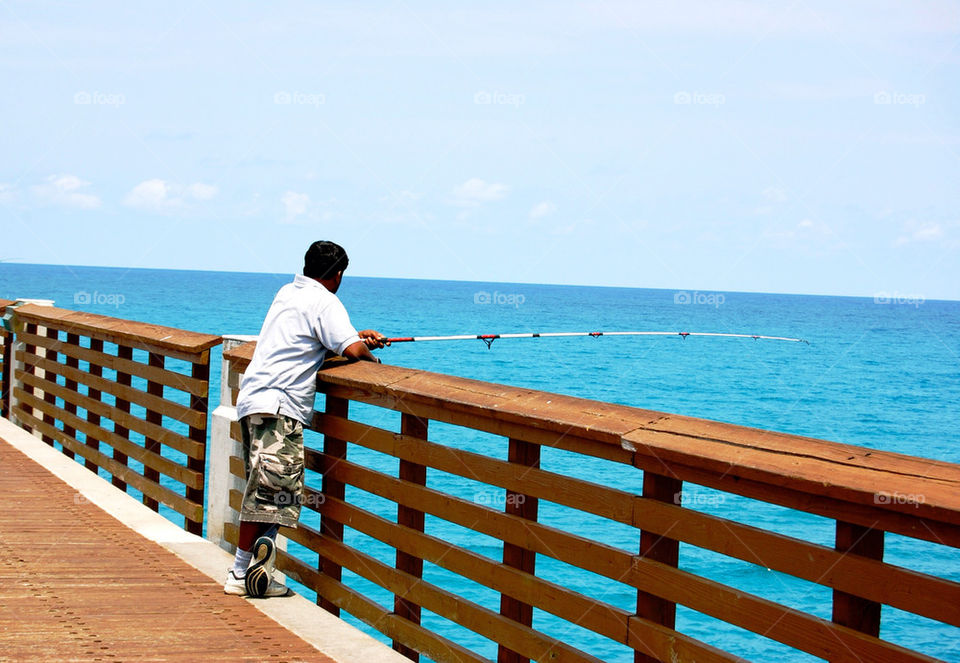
(324, 259)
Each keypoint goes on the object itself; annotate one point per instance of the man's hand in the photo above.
(373, 339)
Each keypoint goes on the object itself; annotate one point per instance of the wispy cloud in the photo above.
(68, 191)
(476, 191)
(159, 195)
(916, 231)
(542, 209)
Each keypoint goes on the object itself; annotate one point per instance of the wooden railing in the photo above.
(6, 360)
(862, 494)
(96, 384)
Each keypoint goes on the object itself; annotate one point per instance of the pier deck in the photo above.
(77, 584)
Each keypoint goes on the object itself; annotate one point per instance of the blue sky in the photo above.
(805, 147)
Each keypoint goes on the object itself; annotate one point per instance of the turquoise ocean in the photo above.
(881, 372)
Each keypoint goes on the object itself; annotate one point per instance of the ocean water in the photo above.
(879, 374)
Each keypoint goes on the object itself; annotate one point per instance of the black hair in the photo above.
(324, 259)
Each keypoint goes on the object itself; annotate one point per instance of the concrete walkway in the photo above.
(79, 583)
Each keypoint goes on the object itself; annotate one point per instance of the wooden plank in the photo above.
(121, 388)
(408, 561)
(170, 341)
(665, 550)
(97, 408)
(200, 371)
(523, 506)
(849, 609)
(861, 514)
(49, 399)
(902, 588)
(578, 494)
(26, 369)
(466, 613)
(936, 497)
(337, 448)
(805, 468)
(767, 618)
(92, 402)
(71, 386)
(165, 377)
(151, 445)
(589, 613)
(126, 474)
(124, 445)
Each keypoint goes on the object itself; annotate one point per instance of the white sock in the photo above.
(241, 561)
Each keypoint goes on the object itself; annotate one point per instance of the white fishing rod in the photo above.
(490, 338)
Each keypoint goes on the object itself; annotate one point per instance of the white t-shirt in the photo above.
(304, 322)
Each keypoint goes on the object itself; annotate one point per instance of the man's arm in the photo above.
(360, 351)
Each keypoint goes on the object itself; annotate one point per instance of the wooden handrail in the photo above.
(62, 357)
(866, 493)
(139, 335)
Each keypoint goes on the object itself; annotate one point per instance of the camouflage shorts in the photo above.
(273, 454)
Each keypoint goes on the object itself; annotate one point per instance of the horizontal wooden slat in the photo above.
(793, 462)
(767, 618)
(149, 458)
(169, 341)
(163, 435)
(168, 408)
(875, 515)
(586, 496)
(584, 611)
(162, 376)
(487, 623)
(164, 495)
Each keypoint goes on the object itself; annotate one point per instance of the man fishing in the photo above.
(305, 322)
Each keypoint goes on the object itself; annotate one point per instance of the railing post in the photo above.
(850, 610)
(96, 370)
(333, 448)
(17, 367)
(125, 379)
(74, 363)
(200, 370)
(659, 549)
(6, 369)
(155, 389)
(415, 473)
(524, 506)
(220, 481)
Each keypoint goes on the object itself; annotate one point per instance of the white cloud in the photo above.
(67, 190)
(8, 193)
(201, 191)
(920, 232)
(160, 195)
(295, 204)
(475, 191)
(775, 194)
(542, 209)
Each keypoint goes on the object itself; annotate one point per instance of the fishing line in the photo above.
(490, 338)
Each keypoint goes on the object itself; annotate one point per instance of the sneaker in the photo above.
(258, 580)
(234, 585)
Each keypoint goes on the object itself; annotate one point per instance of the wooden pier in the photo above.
(76, 584)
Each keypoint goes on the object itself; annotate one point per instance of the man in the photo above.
(304, 323)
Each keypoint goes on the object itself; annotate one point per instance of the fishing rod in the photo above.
(490, 338)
